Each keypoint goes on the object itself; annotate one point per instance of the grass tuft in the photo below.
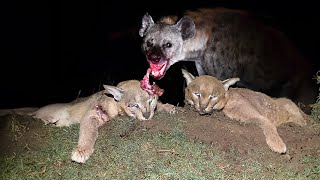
(315, 113)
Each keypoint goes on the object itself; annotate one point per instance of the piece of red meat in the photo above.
(151, 89)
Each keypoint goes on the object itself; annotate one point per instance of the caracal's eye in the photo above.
(197, 94)
(150, 101)
(134, 105)
(212, 97)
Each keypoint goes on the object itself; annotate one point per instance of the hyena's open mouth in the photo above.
(158, 69)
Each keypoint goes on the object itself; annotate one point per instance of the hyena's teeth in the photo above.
(155, 73)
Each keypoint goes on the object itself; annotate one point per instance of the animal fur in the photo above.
(207, 94)
(227, 43)
(94, 111)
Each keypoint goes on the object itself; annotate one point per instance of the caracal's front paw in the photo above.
(169, 108)
(276, 144)
(81, 154)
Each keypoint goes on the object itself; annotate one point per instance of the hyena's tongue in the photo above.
(151, 89)
(158, 70)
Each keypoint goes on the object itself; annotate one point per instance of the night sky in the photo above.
(56, 51)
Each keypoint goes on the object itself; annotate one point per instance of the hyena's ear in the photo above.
(147, 22)
(116, 92)
(188, 76)
(186, 27)
(229, 82)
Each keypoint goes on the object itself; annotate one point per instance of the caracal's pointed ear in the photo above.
(147, 22)
(229, 82)
(186, 27)
(116, 92)
(188, 76)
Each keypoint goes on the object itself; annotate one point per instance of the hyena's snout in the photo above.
(154, 54)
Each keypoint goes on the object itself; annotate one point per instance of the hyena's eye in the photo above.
(197, 94)
(149, 44)
(167, 45)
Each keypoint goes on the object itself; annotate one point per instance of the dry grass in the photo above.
(316, 107)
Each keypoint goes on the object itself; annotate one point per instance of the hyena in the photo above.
(227, 43)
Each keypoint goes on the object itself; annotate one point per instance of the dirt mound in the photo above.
(245, 140)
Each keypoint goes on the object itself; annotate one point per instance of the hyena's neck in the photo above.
(193, 48)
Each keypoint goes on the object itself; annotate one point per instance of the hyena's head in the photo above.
(133, 100)
(205, 93)
(163, 41)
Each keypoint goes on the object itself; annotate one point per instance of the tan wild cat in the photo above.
(207, 94)
(94, 111)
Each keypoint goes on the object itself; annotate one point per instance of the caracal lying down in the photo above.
(94, 111)
(207, 94)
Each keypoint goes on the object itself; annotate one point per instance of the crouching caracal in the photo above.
(128, 98)
(206, 94)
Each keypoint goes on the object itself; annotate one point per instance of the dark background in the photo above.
(55, 51)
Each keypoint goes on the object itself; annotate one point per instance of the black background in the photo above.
(54, 51)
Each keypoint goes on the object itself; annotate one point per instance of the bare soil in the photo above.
(242, 142)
